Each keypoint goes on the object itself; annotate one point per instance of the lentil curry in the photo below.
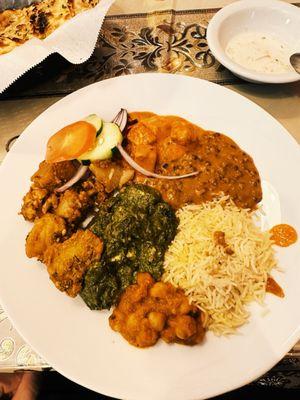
(170, 145)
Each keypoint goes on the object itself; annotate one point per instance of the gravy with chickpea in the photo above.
(150, 310)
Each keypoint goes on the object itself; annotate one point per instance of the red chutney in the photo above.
(283, 235)
(273, 287)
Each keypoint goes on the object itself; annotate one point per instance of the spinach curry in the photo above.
(136, 226)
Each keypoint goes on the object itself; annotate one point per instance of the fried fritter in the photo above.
(40, 198)
(76, 202)
(33, 203)
(46, 230)
(67, 262)
(149, 310)
(112, 174)
(51, 203)
(73, 205)
(94, 189)
(50, 176)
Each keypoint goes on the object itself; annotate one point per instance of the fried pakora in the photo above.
(73, 205)
(67, 262)
(148, 311)
(46, 230)
(41, 199)
(33, 203)
(50, 176)
(112, 174)
(94, 189)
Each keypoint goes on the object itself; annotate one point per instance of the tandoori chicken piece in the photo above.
(67, 262)
(149, 310)
(46, 230)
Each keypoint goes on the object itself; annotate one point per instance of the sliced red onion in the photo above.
(144, 171)
(79, 174)
(121, 119)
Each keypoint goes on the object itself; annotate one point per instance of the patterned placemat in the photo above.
(14, 352)
(166, 41)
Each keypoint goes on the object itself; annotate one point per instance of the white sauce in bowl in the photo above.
(260, 52)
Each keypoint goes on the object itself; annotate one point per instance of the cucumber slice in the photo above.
(95, 121)
(108, 139)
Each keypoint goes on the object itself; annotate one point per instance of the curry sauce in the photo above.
(170, 145)
(283, 235)
(273, 287)
(150, 310)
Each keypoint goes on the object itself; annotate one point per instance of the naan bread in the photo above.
(37, 20)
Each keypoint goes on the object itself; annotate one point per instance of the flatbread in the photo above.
(37, 20)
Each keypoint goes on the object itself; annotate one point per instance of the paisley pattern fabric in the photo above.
(166, 41)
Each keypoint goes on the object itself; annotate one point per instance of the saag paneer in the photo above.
(136, 227)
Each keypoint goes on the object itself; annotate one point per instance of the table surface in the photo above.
(149, 26)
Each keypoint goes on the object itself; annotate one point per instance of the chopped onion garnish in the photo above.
(79, 174)
(144, 171)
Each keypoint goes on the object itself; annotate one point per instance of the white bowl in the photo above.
(263, 16)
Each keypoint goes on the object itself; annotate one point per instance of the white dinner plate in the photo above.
(78, 342)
